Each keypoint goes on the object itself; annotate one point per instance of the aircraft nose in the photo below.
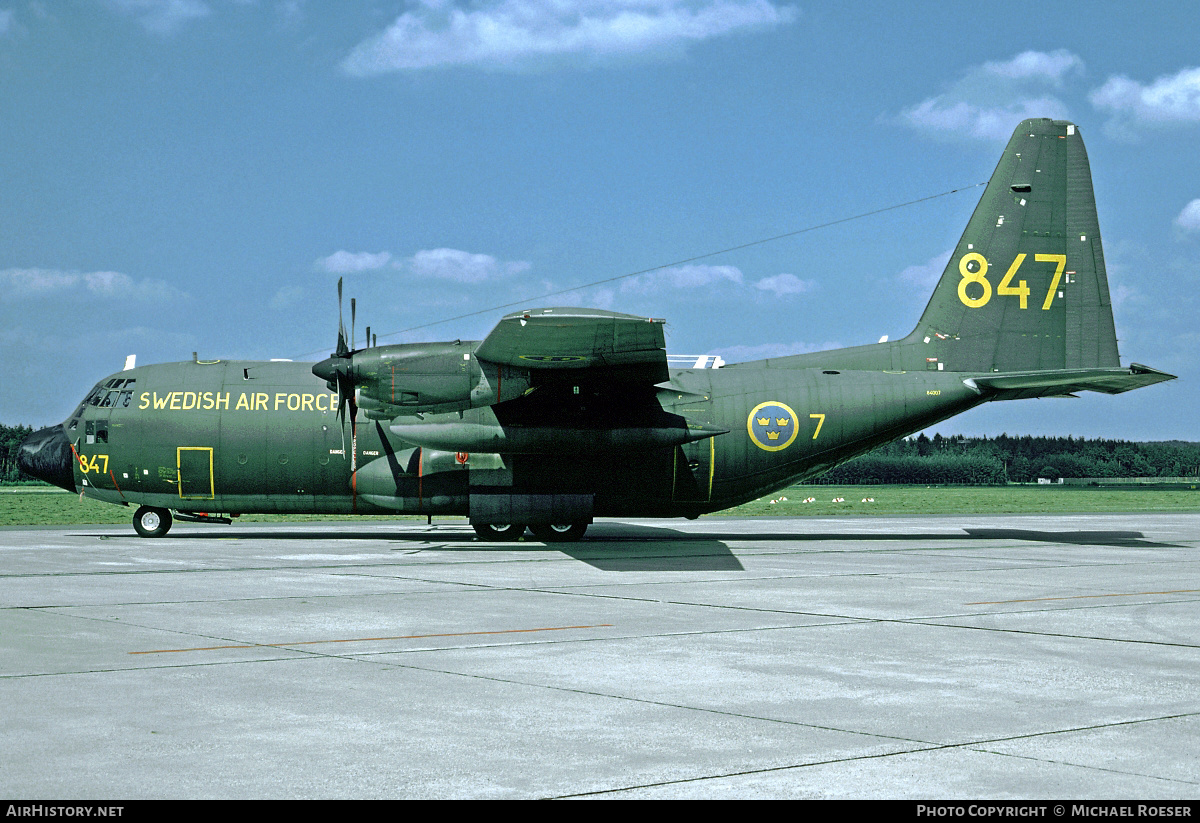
(46, 454)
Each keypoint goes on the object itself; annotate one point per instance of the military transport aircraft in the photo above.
(561, 415)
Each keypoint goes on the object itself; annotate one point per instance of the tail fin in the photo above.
(1025, 288)
(1023, 304)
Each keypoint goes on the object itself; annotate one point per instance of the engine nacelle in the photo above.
(430, 377)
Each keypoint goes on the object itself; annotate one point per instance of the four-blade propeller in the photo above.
(337, 371)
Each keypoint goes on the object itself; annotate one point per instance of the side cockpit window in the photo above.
(95, 431)
(73, 426)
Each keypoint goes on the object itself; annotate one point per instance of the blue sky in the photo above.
(194, 175)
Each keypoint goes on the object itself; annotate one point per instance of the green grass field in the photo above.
(867, 500)
(26, 506)
(46, 506)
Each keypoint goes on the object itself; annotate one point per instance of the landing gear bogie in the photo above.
(559, 532)
(545, 532)
(150, 521)
(505, 533)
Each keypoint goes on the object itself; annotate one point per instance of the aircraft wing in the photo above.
(572, 339)
(590, 389)
(1060, 382)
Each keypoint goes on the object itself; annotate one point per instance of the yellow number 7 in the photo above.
(820, 418)
(1061, 260)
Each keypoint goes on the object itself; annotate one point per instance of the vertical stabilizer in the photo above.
(1026, 287)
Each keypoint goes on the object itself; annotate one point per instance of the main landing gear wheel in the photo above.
(152, 522)
(558, 532)
(504, 533)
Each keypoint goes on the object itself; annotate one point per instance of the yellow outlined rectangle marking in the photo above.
(179, 472)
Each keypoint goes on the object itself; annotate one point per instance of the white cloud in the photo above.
(1051, 66)
(35, 282)
(682, 277)
(1189, 218)
(511, 34)
(712, 281)
(108, 283)
(162, 16)
(989, 100)
(344, 262)
(925, 276)
(1168, 100)
(983, 122)
(6, 20)
(597, 298)
(461, 266)
(38, 283)
(784, 284)
(692, 276)
(443, 264)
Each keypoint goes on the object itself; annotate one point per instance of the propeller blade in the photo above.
(341, 420)
(341, 341)
(337, 370)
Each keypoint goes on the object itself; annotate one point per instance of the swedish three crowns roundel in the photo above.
(772, 426)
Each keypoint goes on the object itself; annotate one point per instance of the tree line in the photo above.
(977, 461)
(954, 460)
(10, 440)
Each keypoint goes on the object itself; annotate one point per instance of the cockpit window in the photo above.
(113, 394)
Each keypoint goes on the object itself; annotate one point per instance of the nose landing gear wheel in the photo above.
(503, 533)
(149, 521)
(559, 532)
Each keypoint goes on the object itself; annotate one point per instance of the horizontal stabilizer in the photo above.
(1059, 382)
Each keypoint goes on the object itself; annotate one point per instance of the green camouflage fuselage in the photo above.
(230, 436)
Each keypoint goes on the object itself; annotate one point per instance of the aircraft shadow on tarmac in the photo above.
(1118, 539)
(616, 547)
(642, 547)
